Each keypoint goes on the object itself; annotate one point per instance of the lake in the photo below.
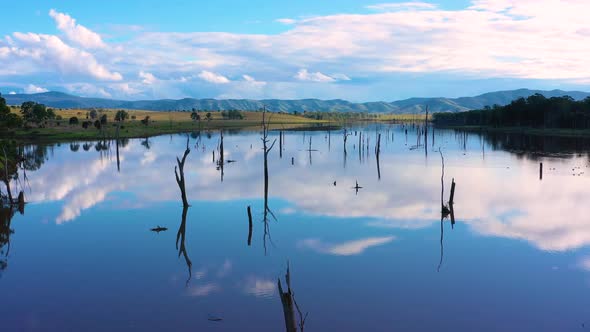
(363, 241)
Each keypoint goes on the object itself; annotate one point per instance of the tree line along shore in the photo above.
(34, 121)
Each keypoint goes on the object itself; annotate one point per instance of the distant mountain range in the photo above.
(412, 105)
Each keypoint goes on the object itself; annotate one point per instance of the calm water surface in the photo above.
(83, 258)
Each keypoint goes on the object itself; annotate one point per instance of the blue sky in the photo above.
(355, 50)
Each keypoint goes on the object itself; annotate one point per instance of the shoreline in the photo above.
(130, 130)
(556, 132)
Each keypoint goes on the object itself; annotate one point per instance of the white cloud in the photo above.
(12, 93)
(148, 158)
(76, 32)
(252, 81)
(50, 52)
(347, 248)
(31, 88)
(81, 201)
(87, 89)
(225, 269)
(525, 39)
(304, 75)
(213, 77)
(204, 290)
(259, 287)
(341, 77)
(125, 88)
(147, 78)
(401, 6)
(248, 78)
(286, 21)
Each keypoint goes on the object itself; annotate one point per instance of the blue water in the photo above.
(83, 258)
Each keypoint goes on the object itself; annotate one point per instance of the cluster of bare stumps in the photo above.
(287, 297)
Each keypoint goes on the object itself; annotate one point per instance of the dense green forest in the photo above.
(535, 111)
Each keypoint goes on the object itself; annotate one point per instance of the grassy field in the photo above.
(159, 123)
(402, 117)
(171, 122)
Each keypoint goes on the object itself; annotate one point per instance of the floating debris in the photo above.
(159, 229)
(357, 187)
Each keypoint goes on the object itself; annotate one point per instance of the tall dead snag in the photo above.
(360, 146)
(310, 150)
(289, 305)
(267, 149)
(180, 243)
(180, 178)
(221, 161)
(378, 147)
(452, 202)
(360, 139)
(426, 132)
(221, 156)
(249, 226)
(443, 209)
(346, 134)
(281, 144)
(377, 154)
(117, 147)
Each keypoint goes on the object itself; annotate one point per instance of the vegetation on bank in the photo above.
(351, 116)
(33, 121)
(535, 113)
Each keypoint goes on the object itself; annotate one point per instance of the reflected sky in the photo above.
(515, 234)
(499, 193)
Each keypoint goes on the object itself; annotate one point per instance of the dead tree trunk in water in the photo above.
(249, 226)
(451, 202)
(180, 178)
(287, 302)
(377, 154)
(378, 147)
(426, 133)
(221, 148)
(281, 144)
(180, 243)
(221, 161)
(345, 139)
(267, 149)
(360, 146)
(346, 134)
(117, 147)
(289, 305)
(442, 210)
